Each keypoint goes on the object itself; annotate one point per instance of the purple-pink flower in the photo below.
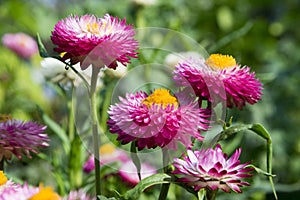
(20, 43)
(18, 192)
(212, 169)
(220, 78)
(98, 41)
(18, 137)
(6, 184)
(158, 119)
(108, 154)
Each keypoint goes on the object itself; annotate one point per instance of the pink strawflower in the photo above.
(19, 192)
(108, 154)
(211, 168)
(78, 195)
(91, 40)
(158, 119)
(220, 78)
(20, 43)
(6, 184)
(18, 137)
(128, 172)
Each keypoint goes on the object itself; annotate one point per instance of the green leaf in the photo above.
(145, 183)
(75, 163)
(42, 50)
(260, 171)
(233, 130)
(56, 129)
(101, 197)
(215, 135)
(261, 131)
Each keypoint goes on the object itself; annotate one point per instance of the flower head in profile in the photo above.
(18, 137)
(211, 168)
(98, 41)
(21, 44)
(129, 173)
(220, 78)
(108, 154)
(158, 119)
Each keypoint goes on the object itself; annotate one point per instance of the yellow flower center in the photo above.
(93, 28)
(62, 54)
(106, 149)
(4, 118)
(160, 97)
(219, 61)
(3, 178)
(45, 194)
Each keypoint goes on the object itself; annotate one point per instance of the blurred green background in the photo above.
(264, 35)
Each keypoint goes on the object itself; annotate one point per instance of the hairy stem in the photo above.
(165, 186)
(93, 102)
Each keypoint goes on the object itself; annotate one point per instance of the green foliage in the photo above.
(144, 184)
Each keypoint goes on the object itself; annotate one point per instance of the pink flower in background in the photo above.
(12, 191)
(20, 43)
(78, 195)
(128, 172)
(219, 78)
(91, 40)
(108, 154)
(155, 120)
(18, 137)
(89, 165)
(6, 184)
(19, 192)
(211, 168)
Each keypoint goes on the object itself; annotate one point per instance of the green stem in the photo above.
(211, 194)
(260, 130)
(74, 70)
(96, 138)
(165, 186)
(71, 128)
(135, 159)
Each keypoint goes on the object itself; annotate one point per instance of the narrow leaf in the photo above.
(56, 129)
(42, 50)
(145, 183)
(260, 171)
(215, 135)
(101, 197)
(75, 164)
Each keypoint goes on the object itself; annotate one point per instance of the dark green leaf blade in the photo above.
(145, 183)
(42, 50)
